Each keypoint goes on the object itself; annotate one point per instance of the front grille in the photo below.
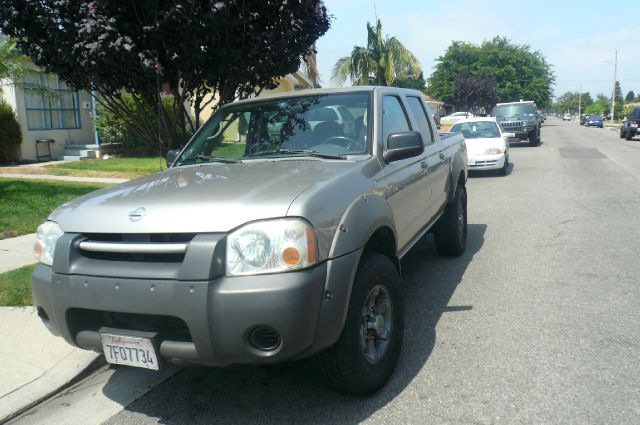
(145, 248)
(512, 124)
(484, 163)
(168, 327)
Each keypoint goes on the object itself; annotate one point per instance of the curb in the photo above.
(70, 370)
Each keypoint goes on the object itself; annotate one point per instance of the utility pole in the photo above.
(580, 105)
(613, 95)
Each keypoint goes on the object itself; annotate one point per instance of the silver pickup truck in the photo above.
(276, 234)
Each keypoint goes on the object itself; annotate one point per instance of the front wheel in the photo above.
(365, 355)
(628, 135)
(450, 231)
(505, 168)
(622, 133)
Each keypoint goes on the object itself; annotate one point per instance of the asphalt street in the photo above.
(539, 321)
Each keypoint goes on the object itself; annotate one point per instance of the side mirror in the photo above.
(403, 145)
(509, 135)
(172, 155)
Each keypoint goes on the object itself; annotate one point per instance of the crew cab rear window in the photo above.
(421, 117)
(394, 119)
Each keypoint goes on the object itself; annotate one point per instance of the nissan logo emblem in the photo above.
(137, 214)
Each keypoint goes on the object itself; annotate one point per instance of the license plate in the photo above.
(130, 351)
(471, 162)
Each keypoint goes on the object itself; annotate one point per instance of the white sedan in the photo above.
(455, 117)
(487, 145)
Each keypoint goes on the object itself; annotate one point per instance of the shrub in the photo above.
(10, 134)
(113, 128)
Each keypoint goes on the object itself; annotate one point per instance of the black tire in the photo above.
(534, 139)
(504, 170)
(345, 366)
(628, 135)
(450, 231)
(622, 133)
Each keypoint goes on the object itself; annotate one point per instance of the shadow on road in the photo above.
(292, 393)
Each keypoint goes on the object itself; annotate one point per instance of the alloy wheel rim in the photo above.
(376, 324)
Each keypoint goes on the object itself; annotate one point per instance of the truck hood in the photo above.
(200, 198)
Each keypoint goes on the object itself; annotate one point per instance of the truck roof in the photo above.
(314, 92)
(517, 103)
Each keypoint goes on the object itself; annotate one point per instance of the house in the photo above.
(58, 113)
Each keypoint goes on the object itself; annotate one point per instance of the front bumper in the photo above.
(486, 162)
(206, 322)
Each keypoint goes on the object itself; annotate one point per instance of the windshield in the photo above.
(477, 129)
(513, 110)
(595, 117)
(328, 125)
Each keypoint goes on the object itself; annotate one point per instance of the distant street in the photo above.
(539, 322)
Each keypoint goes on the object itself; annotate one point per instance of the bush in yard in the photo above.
(115, 128)
(10, 135)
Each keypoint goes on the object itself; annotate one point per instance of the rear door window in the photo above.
(394, 118)
(420, 114)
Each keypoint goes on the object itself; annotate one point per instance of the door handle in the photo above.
(441, 155)
(423, 165)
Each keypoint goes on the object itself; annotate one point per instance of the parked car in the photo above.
(594, 121)
(520, 118)
(263, 248)
(584, 118)
(487, 144)
(456, 116)
(566, 117)
(630, 124)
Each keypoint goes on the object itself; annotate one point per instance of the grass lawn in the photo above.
(15, 287)
(113, 167)
(25, 204)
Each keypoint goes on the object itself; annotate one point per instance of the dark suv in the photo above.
(630, 124)
(520, 118)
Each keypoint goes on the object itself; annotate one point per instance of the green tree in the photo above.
(569, 102)
(601, 106)
(382, 62)
(14, 66)
(630, 96)
(619, 101)
(519, 72)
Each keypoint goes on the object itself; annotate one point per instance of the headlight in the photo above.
(270, 247)
(48, 234)
(493, 151)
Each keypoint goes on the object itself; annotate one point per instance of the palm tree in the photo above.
(380, 63)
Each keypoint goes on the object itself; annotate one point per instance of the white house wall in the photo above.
(84, 135)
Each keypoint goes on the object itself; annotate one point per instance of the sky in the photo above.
(574, 37)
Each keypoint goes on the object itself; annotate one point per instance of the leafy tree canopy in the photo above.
(472, 93)
(569, 102)
(192, 48)
(630, 97)
(519, 72)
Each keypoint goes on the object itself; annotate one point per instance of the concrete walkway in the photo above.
(35, 364)
(17, 252)
(63, 178)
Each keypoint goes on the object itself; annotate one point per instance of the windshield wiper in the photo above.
(205, 158)
(306, 152)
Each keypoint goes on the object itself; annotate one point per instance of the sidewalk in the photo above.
(17, 252)
(63, 178)
(35, 364)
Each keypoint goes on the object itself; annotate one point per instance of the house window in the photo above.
(50, 104)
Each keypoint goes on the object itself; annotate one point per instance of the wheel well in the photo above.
(383, 242)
